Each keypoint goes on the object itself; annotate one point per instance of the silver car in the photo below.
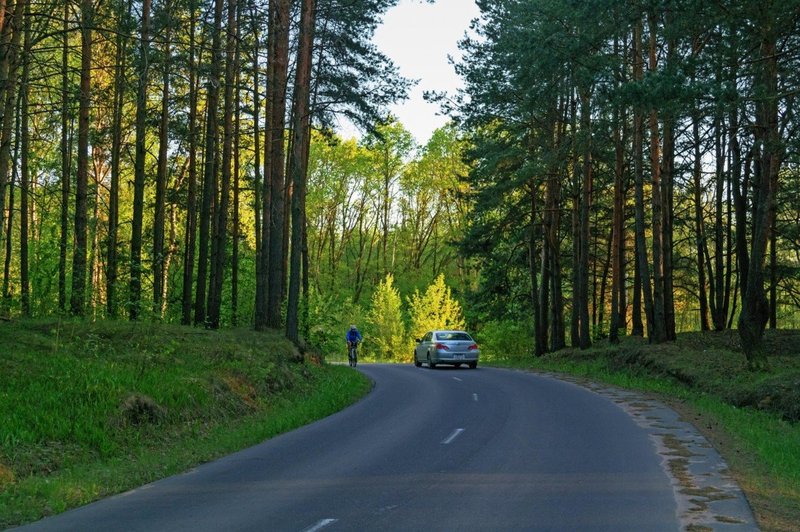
(446, 347)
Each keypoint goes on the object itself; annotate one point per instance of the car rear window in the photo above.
(453, 336)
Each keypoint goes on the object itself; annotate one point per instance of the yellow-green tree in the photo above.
(387, 332)
(435, 309)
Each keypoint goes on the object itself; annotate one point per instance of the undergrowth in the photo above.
(87, 410)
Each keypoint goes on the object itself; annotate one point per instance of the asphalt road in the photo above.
(439, 450)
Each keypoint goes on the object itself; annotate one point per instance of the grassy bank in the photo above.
(87, 410)
(752, 418)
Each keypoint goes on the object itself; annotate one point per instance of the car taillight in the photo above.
(473, 347)
(442, 347)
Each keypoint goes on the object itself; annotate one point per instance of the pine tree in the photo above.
(435, 309)
(386, 330)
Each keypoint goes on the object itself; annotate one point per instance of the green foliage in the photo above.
(504, 339)
(386, 331)
(329, 316)
(435, 309)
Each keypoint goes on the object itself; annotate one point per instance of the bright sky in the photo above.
(418, 37)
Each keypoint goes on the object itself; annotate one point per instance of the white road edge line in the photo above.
(475, 397)
(457, 379)
(452, 437)
(319, 525)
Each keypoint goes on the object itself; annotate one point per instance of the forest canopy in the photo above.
(611, 168)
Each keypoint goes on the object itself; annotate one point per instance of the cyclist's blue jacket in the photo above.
(353, 336)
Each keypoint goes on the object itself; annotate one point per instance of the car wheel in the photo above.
(473, 365)
(431, 365)
(417, 363)
(456, 366)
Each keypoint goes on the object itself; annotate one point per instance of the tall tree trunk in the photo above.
(637, 324)
(219, 242)
(698, 220)
(575, 319)
(78, 296)
(191, 200)
(575, 315)
(10, 39)
(638, 139)
(668, 194)
(281, 14)
(773, 276)
(604, 280)
(137, 223)
(9, 242)
(24, 214)
(718, 307)
(159, 216)
(586, 201)
(755, 307)
(210, 168)
(263, 282)
(260, 317)
(618, 234)
(116, 156)
(300, 143)
(539, 347)
(65, 163)
(658, 332)
(236, 176)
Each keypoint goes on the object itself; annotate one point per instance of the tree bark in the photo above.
(78, 296)
(210, 167)
(281, 14)
(159, 217)
(300, 144)
(698, 221)
(25, 170)
(658, 332)
(618, 231)
(10, 39)
(638, 139)
(65, 164)
(112, 268)
(260, 316)
(219, 241)
(755, 307)
(190, 238)
(137, 223)
(668, 196)
(586, 201)
(236, 170)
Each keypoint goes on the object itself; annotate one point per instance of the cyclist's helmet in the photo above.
(352, 327)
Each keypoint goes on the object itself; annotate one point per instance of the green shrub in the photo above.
(505, 339)
(385, 328)
(435, 309)
(330, 316)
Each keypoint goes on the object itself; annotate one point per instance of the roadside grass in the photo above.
(750, 417)
(89, 410)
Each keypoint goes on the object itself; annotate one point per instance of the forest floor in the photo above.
(751, 417)
(92, 409)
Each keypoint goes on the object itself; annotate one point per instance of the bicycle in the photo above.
(352, 354)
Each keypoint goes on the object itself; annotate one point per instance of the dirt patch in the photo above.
(138, 409)
(6, 476)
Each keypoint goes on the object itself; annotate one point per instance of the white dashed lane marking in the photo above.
(453, 436)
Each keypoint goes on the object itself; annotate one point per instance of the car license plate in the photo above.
(459, 357)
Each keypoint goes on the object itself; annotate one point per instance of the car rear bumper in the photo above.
(443, 357)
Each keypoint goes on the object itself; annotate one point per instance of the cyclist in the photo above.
(353, 337)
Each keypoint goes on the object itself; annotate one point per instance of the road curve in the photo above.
(442, 450)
